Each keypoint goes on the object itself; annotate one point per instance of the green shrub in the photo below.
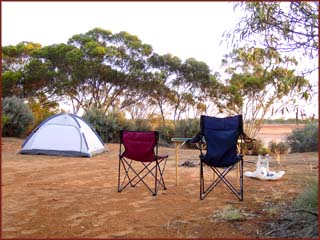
(17, 117)
(308, 199)
(305, 139)
(166, 133)
(4, 120)
(187, 128)
(263, 151)
(256, 148)
(139, 125)
(107, 126)
(278, 148)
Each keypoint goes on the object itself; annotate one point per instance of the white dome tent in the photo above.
(63, 135)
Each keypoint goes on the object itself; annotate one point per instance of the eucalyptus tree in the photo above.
(284, 26)
(163, 70)
(287, 27)
(14, 59)
(261, 83)
(97, 67)
(182, 87)
(50, 65)
(199, 88)
(105, 66)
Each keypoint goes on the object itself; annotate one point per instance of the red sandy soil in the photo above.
(67, 197)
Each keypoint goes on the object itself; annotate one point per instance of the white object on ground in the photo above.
(262, 171)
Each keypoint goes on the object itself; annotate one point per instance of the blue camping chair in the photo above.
(221, 142)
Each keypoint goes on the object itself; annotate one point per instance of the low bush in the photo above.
(187, 128)
(305, 139)
(263, 151)
(107, 126)
(139, 125)
(308, 199)
(278, 148)
(166, 133)
(17, 117)
(256, 149)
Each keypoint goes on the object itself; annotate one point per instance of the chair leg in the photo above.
(221, 176)
(152, 168)
(156, 180)
(201, 180)
(241, 178)
(161, 171)
(119, 176)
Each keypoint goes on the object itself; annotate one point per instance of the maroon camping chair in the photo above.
(139, 160)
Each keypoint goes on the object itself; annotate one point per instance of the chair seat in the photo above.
(221, 164)
(156, 157)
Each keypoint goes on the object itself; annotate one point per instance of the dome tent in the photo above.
(63, 135)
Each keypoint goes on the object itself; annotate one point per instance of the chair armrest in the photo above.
(250, 142)
(195, 139)
(198, 141)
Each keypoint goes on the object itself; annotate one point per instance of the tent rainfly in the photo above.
(63, 135)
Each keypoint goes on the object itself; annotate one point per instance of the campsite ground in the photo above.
(66, 197)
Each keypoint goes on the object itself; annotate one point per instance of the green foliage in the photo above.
(4, 120)
(166, 133)
(278, 148)
(186, 128)
(263, 151)
(290, 121)
(308, 199)
(260, 83)
(257, 146)
(14, 61)
(120, 71)
(139, 125)
(17, 117)
(305, 139)
(107, 126)
(275, 24)
(10, 83)
(41, 109)
(231, 213)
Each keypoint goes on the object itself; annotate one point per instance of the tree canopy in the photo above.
(262, 82)
(107, 71)
(118, 72)
(283, 26)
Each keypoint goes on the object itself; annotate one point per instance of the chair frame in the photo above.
(150, 167)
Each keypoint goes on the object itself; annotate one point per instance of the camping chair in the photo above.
(139, 161)
(221, 142)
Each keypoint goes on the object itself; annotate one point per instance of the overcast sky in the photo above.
(184, 29)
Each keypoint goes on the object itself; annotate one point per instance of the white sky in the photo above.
(184, 29)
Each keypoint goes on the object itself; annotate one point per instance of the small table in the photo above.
(178, 144)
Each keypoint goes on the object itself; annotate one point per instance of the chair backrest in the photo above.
(221, 136)
(139, 145)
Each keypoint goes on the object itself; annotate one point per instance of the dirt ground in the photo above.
(66, 197)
